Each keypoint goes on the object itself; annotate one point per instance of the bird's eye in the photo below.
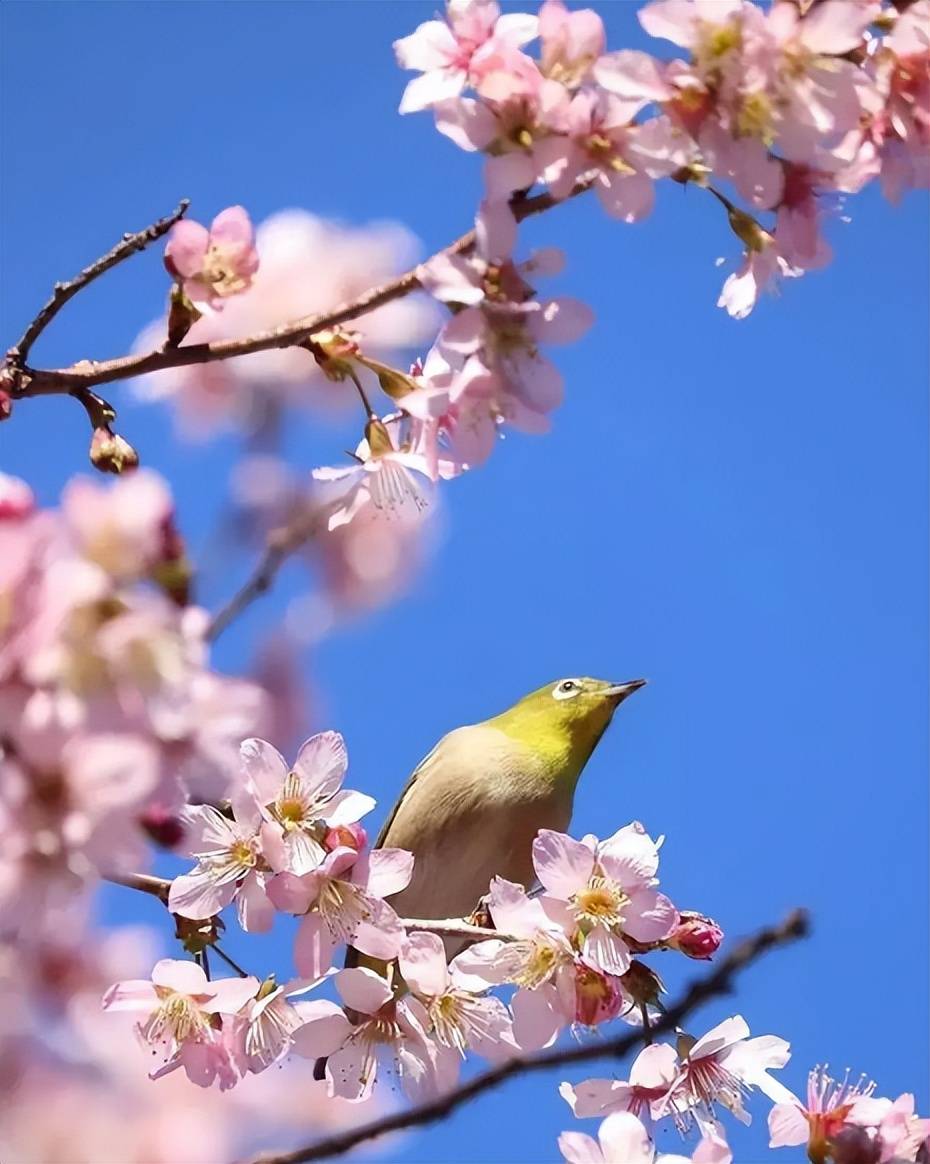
(566, 689)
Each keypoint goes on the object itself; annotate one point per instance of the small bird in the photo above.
(471, 809)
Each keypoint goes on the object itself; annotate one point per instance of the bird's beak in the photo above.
(621, 691)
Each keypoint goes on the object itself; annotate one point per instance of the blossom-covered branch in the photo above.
(90, 373)
(720, 982)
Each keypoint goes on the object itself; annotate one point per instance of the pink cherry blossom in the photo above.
(342, 901)
(230, 864)
(902, 1133)
(720, 1068)
(622, 1138)
(16, 498)
(308, 264)
(762, 268)
(394, 481)
(609, 891)
(303, 800)
(180, 1004)
(269, 1022)
(652, 1073)
(458, 1012)
(454, 52)
(831, 1106)
(572, 40)
(387, 1033)
(211, 265)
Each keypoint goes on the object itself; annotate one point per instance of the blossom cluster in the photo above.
(789, 104)
(111, 717)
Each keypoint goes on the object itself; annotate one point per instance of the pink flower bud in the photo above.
(16, 499)
(350, 836)
(162, 826)
(696, 936)
(110, 453)
(6, 405)
(597, 996)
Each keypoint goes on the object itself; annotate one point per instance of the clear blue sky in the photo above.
(736, 510)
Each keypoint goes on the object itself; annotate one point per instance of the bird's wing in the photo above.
(423, 766)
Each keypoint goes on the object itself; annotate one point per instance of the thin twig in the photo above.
(719, 982)
(46, 382)
(128, 244)
(280, 545)
(156, 886)
(454, 927)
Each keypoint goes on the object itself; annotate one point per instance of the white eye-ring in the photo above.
(567, 689)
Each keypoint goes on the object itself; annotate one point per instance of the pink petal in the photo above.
(230, 995)
(321, 764)
(180, 976)
(255, 911)
(496, 231)
(264, 766)
(788, 1126)
(388, 871)
(432, 88)
(577, 1148)
(314, 947)
(423, 964)
(632, 75)
(347, 807)
(723, 1035)
(481, 962)
(835, 26)
(233, 228)
(464, 333)
(451, 278)
(325, 1028)
(187, 248)
(654, 1066)
(629, 197)
(508, 172)
(468, 123)
(516, 28)
(196, 895)
(362, 990)
(133, 994)
(537, 1017)
(381, 934)
(561, 321)
(607, 951)
(650, 916)
(562, 864)
(630, 856)
(713, 1149)
(292, 894)
(430, 46)
(351, 1072)
(594, 1097)
(513, 912)
(623, 1137)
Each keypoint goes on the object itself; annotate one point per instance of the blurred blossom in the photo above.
(308, 264)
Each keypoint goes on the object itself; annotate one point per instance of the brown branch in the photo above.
(719, 982)
(280, 545)
(88, 373)
(156, 886)
(454, 927)
(128, 244)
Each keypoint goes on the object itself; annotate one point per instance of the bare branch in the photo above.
(128, 244)
(156, 886)
(720, 982)
(454, 927)
(280, 545)
(88, 374)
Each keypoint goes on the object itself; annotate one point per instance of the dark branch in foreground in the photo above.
(719, 982)
(128, 244)
(89, 373)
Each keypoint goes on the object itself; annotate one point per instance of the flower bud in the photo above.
(349, 836)
(162, 826)
(642, 984)
(182, 315)
(16, 498)
(333, 351)
(597, 996)
(110, 453)
(695, 935)
(6, 405)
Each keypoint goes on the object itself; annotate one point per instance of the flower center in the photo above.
(178, 1018)
(343, 907)
(601, 902)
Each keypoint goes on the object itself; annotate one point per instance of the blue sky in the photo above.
(736, 510)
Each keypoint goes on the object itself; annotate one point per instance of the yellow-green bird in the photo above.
(471, 809)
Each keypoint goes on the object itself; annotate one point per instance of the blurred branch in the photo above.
(89, 373)
(281, 544)
(128, 245)
(156, 886)
(720, 982)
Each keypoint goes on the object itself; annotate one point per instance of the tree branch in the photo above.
(720, 982)
(156, 886)
(88, 374)
(128, 244)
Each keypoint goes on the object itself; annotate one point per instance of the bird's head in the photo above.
(565, 719)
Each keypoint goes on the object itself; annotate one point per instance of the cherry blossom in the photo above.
(180, 1005)
(608, 889)
(622, 1137)
(454, 52)
(652, 1073)
(387, 1037)
(342, 901)
(720, 1068)
(571, 40)
(213, 264)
